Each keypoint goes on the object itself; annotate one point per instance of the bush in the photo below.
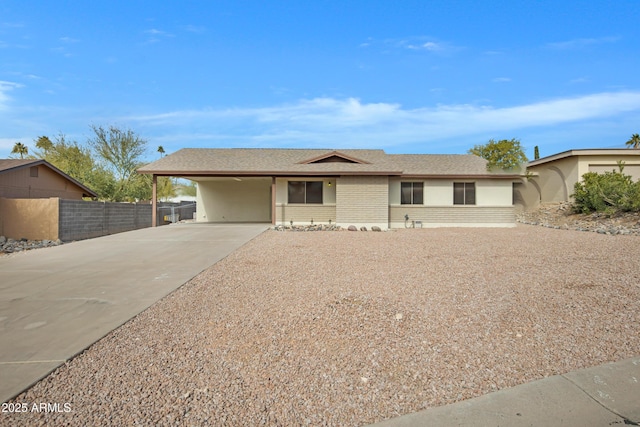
(609, 192)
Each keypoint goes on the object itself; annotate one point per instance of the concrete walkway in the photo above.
(56, 302)
(607, 395)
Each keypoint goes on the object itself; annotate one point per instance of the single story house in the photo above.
(553, 177)
(37, 179)
(346, 187)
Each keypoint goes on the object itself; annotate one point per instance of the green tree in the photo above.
(20, 149)
(120, 151)
(536, 152)
(161, 150)
(504, 154)
(634, 141)
(44, 143)
(165, 188)
(76, 161)
(190, 189)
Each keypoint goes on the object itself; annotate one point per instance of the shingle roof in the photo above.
(282, 162)
(441, 164)
(7, 165)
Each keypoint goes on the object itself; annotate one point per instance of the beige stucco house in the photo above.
(345, 187)
(553, 177)
(36, 179)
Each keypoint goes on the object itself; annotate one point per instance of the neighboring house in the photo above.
(554, 177)
(346, 187)
(36, 179)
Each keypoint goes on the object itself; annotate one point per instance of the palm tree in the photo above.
(20, 148)
(634, 141)
(160, 150)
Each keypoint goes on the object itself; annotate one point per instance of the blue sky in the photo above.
(405, 76)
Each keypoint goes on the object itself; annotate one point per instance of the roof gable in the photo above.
(334, 157)
(7, 165)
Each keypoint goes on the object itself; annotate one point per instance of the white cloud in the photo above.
(155, 35)
(501, 80)
(428, 46)
(11, 25)
(419, 44)
(6, 87)
(581, 42)
(329, 122)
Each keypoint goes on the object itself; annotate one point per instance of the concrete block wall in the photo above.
(453, 216)
(303, 214)
(84, 220)
(362, 201)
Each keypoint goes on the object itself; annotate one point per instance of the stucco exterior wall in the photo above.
(439, 192)
(493, 208)
(302, 214)
(602, 164)
(20, 184)
(229, 200)
(328, 189)
(555, 180)
(526, 195)
(362, 201)
(34, 219)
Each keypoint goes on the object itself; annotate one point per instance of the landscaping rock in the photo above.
(352, 228)
(314, 227)
(376, 228)
(9, 246)
(561, 216)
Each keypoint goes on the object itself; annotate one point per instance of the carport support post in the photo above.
(154, 200)
(273, 200)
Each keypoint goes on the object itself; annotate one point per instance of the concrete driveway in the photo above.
(56, 302)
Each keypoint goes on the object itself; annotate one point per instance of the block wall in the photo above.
(84, 220)
(362, 200)
(454, 216)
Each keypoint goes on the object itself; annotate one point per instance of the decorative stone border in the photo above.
(321, 227)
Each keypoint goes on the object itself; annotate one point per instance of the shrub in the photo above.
(608, 192)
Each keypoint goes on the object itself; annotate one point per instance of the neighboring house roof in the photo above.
(310, 162)
(7, 165)
(587, 152)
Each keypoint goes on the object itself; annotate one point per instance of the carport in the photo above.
(224, 199)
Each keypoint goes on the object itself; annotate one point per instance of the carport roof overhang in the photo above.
(269, 174)
(297, 173)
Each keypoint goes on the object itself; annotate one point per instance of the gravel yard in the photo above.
(349, 328)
